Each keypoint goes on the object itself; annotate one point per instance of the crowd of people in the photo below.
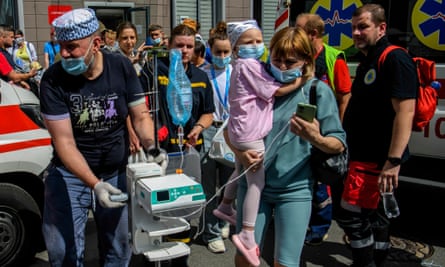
(93, 100)
(13, 67)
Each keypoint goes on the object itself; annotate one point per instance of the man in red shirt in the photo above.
(7, 71)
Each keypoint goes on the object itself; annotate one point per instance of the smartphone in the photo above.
(306, 111)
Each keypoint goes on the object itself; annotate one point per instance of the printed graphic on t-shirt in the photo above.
(94, 114)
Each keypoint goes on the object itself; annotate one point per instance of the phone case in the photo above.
(306, 111)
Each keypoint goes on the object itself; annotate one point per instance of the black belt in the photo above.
(217, 124)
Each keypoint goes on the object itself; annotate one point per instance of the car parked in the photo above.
(25, 154)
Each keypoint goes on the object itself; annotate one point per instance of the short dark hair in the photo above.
(200, 48)
(154, 27)
(18, 32)
(181, 30)
(5, 28)
(377, 12)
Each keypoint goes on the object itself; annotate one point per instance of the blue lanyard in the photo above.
(215, 84)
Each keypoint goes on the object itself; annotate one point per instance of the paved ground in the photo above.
(334, 252)
(418, 231)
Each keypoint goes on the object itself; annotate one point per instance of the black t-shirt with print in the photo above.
(98, 110)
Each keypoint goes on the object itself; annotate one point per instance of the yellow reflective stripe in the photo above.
(176, 141)
(183, 240)
(163, 80)
(199, 84)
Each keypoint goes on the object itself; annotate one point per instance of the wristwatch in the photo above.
(395, 161)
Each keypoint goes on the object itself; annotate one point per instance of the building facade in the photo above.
(33, 16)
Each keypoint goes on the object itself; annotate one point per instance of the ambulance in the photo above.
(417, 25)
(25, 154)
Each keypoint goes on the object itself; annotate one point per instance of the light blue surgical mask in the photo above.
(286, 76)
(157, 41)
(77, 66)
(251, 51)
(221, 62)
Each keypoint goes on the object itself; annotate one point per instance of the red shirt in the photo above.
(342, 78)
(5, 68)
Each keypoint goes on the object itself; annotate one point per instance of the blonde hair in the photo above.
(294, 42)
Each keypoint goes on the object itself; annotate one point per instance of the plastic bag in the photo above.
(219, 150)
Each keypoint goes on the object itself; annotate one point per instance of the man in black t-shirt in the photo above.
(377, 121)
(85, 100)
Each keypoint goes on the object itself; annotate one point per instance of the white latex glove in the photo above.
(158, 156)
(103, 190)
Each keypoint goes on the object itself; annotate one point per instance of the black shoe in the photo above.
(315, 239)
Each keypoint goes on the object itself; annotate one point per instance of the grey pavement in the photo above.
(333, 252)
(418, 230)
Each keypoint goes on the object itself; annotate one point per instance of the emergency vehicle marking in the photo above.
(24, 145)
(13, 134)
(438, 126)
(437, 130)
(9, 118)
(282, 15)
(428, 23)
(337, 16)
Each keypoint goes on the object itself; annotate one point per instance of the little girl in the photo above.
(251, 98)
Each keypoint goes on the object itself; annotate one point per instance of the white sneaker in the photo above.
(216, 246)
(225, 231)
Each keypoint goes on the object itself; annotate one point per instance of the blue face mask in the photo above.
(157, 41)
(221, 62)
(77, 66)
(251, 51)
(286, 76)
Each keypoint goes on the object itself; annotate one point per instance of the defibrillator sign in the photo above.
(428, 22)
(337, 15)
